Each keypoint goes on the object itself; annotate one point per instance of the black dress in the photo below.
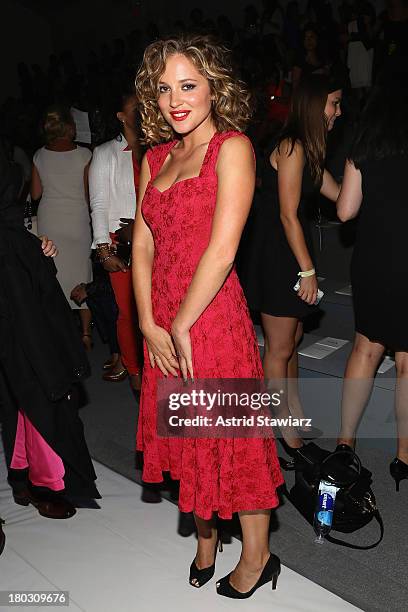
(41, 354)
(378, 268)
(267, 267)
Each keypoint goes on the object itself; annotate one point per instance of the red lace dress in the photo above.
(222, 475)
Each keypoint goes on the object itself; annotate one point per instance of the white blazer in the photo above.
(111, 188)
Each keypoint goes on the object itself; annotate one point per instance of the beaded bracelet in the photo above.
(105, 258)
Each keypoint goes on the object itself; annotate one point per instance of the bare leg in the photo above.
(280, 339)
(295, 405)
(358, 382)
(207, 539)
(401, 405)
(86, 317)
(255, 549)
(113, 358)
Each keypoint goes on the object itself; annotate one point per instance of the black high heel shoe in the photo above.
(269, 573)
(199, 577)
(399, 471)
(295, 459)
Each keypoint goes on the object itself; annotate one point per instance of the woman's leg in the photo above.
(86, 318)
(207, 539)
(401, 404)
(255, 549)
(127, 324)
(358, 382)
(295, 405)
(280, 344)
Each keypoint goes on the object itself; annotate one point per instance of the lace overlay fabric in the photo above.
(216, 475)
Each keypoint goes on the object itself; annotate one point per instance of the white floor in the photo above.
(127, 556)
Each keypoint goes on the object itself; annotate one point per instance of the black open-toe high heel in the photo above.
(399, 471)
(199, 577)
(269, 573)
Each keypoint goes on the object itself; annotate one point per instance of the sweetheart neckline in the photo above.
(189, 178)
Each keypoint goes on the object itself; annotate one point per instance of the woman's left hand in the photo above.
(48, 247)
(182, 343)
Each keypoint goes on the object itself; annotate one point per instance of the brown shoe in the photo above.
(2, 536)
(53, 507)
(115, 376)
(111, 362)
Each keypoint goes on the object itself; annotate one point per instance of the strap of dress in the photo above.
(156, 157)
(211, 156)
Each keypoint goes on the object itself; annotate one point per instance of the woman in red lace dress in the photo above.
(196, 189)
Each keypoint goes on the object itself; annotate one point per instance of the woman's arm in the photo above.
(290, 174)
(330, 188)
(86, 182)
(351, 194)
(98, 181)
(36, 186)
(99, 189)
(236, 184)
(142, 256)
(159, 343)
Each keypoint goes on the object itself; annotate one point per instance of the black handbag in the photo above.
(355, 504)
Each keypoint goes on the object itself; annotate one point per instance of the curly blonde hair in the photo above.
(231, 109)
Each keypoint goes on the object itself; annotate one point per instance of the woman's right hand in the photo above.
(161, 349)
(308, 289)
(114, 264)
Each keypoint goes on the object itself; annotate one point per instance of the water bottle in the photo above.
(323, 517)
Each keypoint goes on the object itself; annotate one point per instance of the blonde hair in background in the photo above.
(231, 105)
(58, 123)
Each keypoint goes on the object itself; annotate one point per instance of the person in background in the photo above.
(41, 361)
(375, 174)
(100, 299)
(312, 59)
(392, 28)
(113, 184)
(60, 179)
(360, 48)
(278, 245)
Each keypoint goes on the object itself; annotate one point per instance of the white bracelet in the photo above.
(307, 273)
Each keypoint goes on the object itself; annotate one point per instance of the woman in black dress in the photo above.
(375, 181)
(277, 248)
